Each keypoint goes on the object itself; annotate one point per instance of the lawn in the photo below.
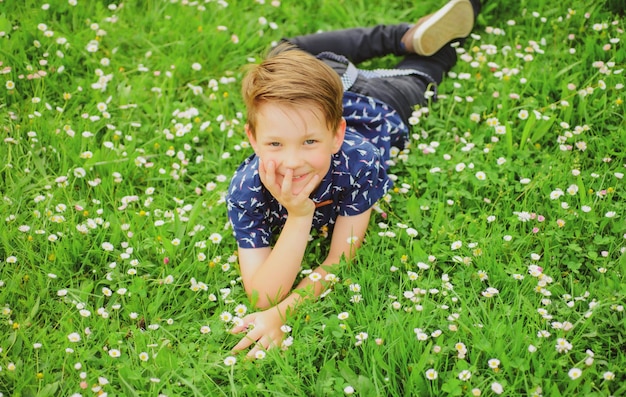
(496, 266)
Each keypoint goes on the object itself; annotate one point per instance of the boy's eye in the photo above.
(310, 141)
(274, 144)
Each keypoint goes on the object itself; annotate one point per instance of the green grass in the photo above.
(112, 208)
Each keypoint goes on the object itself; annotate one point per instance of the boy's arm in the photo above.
(268, 274)
(347, 237)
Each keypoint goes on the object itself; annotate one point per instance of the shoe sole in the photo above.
(448, 23)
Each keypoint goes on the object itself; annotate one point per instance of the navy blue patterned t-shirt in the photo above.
(356, 180)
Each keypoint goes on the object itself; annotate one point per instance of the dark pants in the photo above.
(362, 44)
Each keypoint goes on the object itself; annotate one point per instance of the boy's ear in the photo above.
(251, 137)
(340, 133)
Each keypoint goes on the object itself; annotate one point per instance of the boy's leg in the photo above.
(357, 44)
(429, 34)
(432, 32)
(442, 57)
(360, 44)
(404, 92)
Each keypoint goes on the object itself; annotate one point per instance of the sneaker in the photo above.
(455, 20)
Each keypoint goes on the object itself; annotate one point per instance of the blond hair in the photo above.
(293, 77)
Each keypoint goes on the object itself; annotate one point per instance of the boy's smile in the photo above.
(297, 140)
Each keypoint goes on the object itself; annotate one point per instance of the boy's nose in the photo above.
(292, 159)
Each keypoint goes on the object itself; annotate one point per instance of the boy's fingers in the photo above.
(264, 344)
(245, 324)
(262, 172)
(253, 351)
(268, 173)
(238, 329)
(311, 185)
(245, 342)
(287, 181)
(261, 165)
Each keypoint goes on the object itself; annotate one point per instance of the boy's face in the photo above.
(295, 138)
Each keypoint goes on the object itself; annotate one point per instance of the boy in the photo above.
(321, 131)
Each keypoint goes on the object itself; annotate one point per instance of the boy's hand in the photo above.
(298, 204)
(263, 331)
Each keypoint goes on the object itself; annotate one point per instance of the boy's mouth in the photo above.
(299, 177)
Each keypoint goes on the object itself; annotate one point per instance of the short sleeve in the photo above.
(368, 180)
(247, 206)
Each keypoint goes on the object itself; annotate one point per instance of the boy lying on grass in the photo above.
(321, 131)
